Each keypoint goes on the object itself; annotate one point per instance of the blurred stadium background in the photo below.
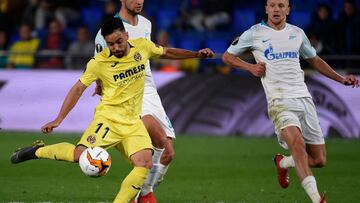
(63, 26)
(225, 141)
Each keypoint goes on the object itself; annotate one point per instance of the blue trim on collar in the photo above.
(124, 21)
(264, 23)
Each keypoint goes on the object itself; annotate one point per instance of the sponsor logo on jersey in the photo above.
(265, 40)
(270, 55)
(129, 72)
(137, 56)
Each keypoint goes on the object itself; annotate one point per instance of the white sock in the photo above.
(287, 162)
(157, 155)
(153, 175)
(162, 171)
(309, 184)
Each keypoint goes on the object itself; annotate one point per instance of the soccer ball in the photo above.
(95, 161)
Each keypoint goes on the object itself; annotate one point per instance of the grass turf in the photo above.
(205, 169)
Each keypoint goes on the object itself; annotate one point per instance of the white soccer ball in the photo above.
(95, 161)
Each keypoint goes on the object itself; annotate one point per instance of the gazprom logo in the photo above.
(270, 55)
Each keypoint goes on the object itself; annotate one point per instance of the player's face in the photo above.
(117, 43)
(277, 10)
(134, 6)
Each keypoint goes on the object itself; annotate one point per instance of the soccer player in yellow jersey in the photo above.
(117, 122)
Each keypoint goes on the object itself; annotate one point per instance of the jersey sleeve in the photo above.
(148, 35)
(241, 44)
(154, 49)
(100, 43)
(306, 50)
(90, 74)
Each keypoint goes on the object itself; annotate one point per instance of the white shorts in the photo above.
(152, 106)
(299, 112)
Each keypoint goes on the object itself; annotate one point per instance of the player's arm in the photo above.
(68, 104)
(100, 45)
(240, 45)
(326, 70)
(176, 53)
(309, 54)
(98, 88)
(257, 69)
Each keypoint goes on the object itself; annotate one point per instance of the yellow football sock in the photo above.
(131, 185)
(61, 151)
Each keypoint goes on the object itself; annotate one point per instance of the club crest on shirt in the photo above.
(91, 139)
(137, 56)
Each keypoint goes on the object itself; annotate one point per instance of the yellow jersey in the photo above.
(122, 80)
(23, 52)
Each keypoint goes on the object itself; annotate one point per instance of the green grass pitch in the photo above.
(205, 169)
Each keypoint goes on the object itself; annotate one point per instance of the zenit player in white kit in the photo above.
(153, 114)
(277, 47)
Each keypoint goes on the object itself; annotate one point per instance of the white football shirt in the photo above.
(280, 51)
(142, 29)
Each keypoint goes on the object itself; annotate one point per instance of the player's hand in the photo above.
(351, 80)
(48, 128)
(258, 69)
(98, 90)
(205, 53)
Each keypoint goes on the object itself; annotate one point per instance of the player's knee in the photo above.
(77, 152)
(158, 141)
(299, 152)
(169, 152)
(320, 162)
(146, 163)
(167, 157)
(142, 159)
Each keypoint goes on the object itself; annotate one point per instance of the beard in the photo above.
(135, 11)
(118, 54)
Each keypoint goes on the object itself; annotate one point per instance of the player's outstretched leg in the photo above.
(323, 199)
(26, 153)
(283, 173)
(149, 198)
(146, 195)
(60, 151)
(131, 185)
(166, 157)
(162, 156)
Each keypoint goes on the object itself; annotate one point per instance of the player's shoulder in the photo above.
(253, 29)
(256, 27)
(143, 20)
(92, 63)
(98, 33)
(294, 27)
(103, 55)
(99, 59)
(141, 41)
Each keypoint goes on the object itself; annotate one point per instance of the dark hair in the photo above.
(110, 25)
(290, 5)
(265, 16)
